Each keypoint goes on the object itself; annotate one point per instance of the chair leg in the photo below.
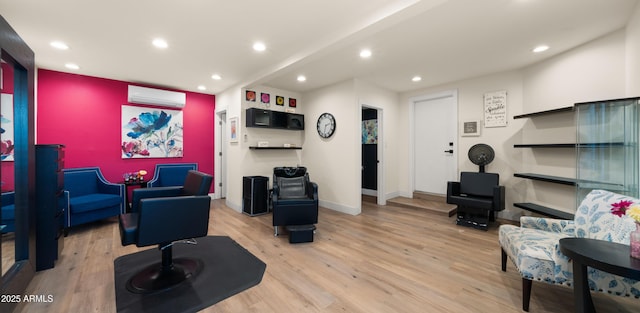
(275, 231)
(504, 260)
(526, 293)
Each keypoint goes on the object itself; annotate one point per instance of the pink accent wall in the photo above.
(84, 114)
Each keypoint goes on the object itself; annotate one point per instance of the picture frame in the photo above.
(250, 96)
(470, 128)
(280, 100)
(292, 103)
(234, 130)
(265, 98)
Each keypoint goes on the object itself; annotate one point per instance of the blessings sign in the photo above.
(495, 109)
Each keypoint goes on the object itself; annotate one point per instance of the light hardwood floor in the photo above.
(387, 259)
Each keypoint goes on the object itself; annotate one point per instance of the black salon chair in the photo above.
(163, 216)
(294, 198)
(478, 196)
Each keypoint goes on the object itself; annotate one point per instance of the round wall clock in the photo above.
(326, 125)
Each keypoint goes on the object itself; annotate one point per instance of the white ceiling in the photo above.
(440, 40)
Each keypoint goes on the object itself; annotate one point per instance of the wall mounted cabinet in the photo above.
(261, 118)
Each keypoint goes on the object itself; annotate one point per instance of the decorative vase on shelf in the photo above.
(634, 242)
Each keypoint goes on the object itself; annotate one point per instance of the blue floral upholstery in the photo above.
(534, 246)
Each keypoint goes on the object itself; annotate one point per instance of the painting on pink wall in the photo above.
(6, 125)
(151, 133)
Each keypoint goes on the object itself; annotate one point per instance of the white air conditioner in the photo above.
(143, 95)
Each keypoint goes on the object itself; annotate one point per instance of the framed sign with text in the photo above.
(495, 109)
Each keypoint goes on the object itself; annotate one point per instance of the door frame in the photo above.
(412, 104)
(220, 150)
(381, 195)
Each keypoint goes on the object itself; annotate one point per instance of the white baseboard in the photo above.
(236, 207)
(370, 192)
(339, 207)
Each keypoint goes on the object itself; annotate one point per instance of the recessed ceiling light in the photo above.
(59, 45)
(540, 48)
(202, 87)
(72, 66)
(216, 77)
(366, 53)
(259, 46)
(160, 43)
(301, 78)
(416, 79)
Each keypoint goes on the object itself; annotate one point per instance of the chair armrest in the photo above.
(157, 192)
(312, 191)
(453, 188)
(498, 198)
(548, 224)
(110, 188)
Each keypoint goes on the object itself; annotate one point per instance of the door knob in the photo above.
(449, 151)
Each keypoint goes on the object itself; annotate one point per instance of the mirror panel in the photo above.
(7, 215)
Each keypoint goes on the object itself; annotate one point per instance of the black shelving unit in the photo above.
(275, 148)
(543, 210)
(547, 112)
(570, 145)
(548, 178)
(49, 211)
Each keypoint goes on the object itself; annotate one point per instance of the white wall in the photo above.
(593, 71)
(633, 54)
(230, 102)
(389, 133)
(470, 107)
(334, 163)
(243, 161)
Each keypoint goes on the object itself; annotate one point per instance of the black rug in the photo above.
(228, 269)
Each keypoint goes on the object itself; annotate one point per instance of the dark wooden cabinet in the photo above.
(261, 118)
(49, 209)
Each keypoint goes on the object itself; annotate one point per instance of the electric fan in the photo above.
(481, 154)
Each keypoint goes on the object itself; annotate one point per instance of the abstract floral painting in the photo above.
(369, 132)
(6, 126)
(151, 133)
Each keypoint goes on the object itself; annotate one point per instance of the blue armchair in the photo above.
(166, 175)
(90, 197)
(8, 212)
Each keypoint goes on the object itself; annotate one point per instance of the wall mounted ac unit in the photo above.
(143, 95)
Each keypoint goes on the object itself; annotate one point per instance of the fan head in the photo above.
(481, 154)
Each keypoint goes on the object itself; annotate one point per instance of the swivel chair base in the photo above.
(476, 218)
(166, 275)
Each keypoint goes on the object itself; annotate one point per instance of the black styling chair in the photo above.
(163, 216)
(478, 196)
(295, 198)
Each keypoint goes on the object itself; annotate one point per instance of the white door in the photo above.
(435, 121)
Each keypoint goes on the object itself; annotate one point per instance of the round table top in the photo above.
(607, 256)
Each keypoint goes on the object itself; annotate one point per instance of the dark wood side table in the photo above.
(127, 186)
(606, 256)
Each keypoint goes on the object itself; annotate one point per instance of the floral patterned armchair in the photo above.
(534, 246)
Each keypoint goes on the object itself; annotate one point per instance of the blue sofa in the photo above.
(8, 212)
(171, 175)
(90, 197)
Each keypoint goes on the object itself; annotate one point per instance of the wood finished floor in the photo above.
(387, 259)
